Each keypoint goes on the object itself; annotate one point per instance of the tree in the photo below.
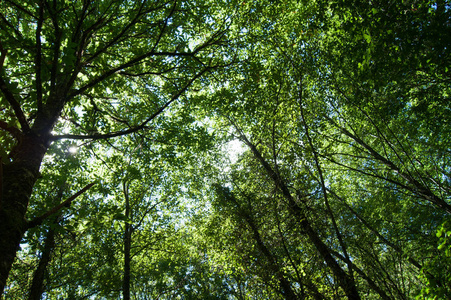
(84, 70)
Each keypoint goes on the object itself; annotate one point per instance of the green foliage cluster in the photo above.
(130, 110)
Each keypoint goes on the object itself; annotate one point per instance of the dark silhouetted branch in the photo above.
(38, 220)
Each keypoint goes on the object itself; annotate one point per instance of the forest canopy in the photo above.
(223, 149)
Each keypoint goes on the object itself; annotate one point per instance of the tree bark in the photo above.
(19, 177)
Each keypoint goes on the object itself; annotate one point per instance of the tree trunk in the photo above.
(285, 286)
(127, 246)
(37, 285)
(127, 260)
(344, 280)
(19, 177)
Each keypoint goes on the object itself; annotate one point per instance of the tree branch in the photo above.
(14, 104)
(321, 178)
(38, 220)
(125, 66)
(370, 282)
(13, 29)
(421, 189)
(2, 56)
(15, 132)
(376, 232)
(117, 37)
(38, 59)
(164, 26)
(57, 45)
(136, 128)
(21, 8)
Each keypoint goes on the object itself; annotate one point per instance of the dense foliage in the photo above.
(225, 149)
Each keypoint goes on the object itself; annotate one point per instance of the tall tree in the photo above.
(90, 70)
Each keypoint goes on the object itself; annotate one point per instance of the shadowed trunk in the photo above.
(127, 247)
(19, 177)
(344, 280)
(285, 286)
(37, 285)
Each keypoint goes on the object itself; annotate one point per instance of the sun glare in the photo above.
(73, 149)
(234, 148)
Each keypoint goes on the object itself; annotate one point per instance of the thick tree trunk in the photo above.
(19, 177)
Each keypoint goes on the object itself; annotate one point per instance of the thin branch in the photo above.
(38, 220)
(271, 260)
(2, 56)
(149, 209)
(147, 73)
(373, 230)
(371, 283)
(406, 174)
(284, 245)
(421, 190)
(23, 9)
(371, 174)
(146, 247)
(57, 45)
(125, 66)
(344, 279)
(164, 26)
(12, 28)
(321, 177)
(82, 44)
(38, 59)
(118, 37)
(83, 15)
